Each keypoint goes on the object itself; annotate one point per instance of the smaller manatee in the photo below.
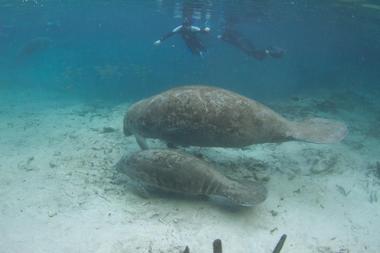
(178, 172)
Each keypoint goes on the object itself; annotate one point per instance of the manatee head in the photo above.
(246, 194)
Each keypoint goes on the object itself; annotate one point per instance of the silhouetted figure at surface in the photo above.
(189, 34)
(231, 36)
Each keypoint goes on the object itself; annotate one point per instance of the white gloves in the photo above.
(157, 42)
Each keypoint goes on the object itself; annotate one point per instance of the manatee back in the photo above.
(245, 193)
(173, 171)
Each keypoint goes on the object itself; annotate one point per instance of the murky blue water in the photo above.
(104, 49)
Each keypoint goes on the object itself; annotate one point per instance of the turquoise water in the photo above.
(325, 43)
(69, 70)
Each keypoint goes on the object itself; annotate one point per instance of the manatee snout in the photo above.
(246, 194)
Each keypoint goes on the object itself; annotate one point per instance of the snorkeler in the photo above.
(238, 40)
(189, 34)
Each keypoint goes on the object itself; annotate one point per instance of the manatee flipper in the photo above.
(318, 130)
(140, 190)
(141, 142)
(125, 129)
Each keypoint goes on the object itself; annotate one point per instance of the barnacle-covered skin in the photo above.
(205, 116)
(175, 171)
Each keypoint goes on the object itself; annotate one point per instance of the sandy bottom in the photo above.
(60, 192)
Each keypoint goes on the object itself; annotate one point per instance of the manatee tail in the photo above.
(318, 130)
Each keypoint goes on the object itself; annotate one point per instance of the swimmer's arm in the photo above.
(168, 35)
(197, 29)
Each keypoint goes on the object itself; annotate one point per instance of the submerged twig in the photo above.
(342, 191)
(217, 246)
(280, 244)
(187, 250)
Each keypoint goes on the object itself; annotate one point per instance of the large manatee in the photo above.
(174, 171)
(214, 117)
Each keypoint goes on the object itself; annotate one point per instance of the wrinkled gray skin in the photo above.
(178, 172)
(213, 117)
(204, 116)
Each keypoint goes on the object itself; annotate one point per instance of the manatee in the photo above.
(174, 171)
(33, 47)
(214, 117)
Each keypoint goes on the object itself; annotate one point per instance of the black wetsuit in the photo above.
(190, 37)
(238, 40)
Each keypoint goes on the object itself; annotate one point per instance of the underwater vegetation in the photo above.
(217, 246)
